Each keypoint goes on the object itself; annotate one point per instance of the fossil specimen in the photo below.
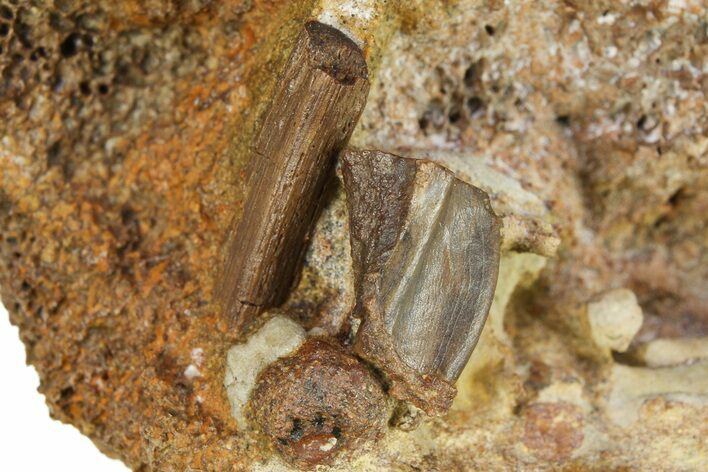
(426, 255)
(318, 402)
(318, 100)
(425, 249)
(124, 130)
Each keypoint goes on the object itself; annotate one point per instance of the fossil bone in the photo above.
(318, 100)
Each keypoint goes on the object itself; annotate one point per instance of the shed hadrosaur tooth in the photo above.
(425, 248)
(317, 102)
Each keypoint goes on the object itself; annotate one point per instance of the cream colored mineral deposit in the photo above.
(276, 338)
(672, 351)
(615, 318)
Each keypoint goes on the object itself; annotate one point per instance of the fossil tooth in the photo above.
(425, 247)
(318, 100)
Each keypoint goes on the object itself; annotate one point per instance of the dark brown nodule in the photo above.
(333, 52)
(317, 102)
(317, 403)
(425, 248)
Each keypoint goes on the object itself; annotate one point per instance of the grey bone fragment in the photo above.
(425, 248)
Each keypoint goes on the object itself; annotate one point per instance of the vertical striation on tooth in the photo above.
(425, 247)
(320, 96)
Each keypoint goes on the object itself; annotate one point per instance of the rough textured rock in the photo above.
(124, 134)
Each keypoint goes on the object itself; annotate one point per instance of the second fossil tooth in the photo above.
(425, 247)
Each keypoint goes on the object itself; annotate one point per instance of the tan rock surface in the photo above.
(124, 128)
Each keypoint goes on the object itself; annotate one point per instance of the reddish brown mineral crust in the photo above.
(552, 431)
(128, 192)
(425, 247)
(320, 95)
(317, 403)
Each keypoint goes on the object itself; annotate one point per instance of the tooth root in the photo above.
(425, 247)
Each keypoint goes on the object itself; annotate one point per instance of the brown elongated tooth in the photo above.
(425, 247)
(318, 100)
